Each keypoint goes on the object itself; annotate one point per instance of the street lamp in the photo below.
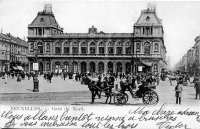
(35, 77)
(73, 49)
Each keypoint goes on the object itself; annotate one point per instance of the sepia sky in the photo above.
(181, 20)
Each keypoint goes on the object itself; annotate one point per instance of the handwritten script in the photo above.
(84, 117)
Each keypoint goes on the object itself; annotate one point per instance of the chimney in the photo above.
(48, 8)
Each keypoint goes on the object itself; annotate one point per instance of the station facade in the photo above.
(96, 52)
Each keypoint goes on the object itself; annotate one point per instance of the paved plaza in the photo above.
(69, 92)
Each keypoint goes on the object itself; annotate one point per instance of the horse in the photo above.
(96, 88)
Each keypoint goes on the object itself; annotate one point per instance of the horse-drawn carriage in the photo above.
(120, 97)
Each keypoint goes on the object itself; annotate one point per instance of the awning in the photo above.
(20, 68)
(147, 63)
(15, 68)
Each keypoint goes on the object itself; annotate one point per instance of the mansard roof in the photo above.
(148, 18)
(17, 40)
(44, 19)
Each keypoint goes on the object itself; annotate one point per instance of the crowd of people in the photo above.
(148, 78)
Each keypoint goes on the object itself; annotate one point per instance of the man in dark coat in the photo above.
(197, 88)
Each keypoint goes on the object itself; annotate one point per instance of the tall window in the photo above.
(75, 50)
(110, 50)
(101, 50)
(48, 67)
(147, 30)
(155, 68)
(58, 50)
(119, 50)
(147, 48)
(156, 47)
(40, 31)
(66, 66)
(32, 47)
(138, 47)
(92, 50)
(75, 67)
(128, 50)
(47, 47)
(83, 50)
(40, 47)
(66, 50)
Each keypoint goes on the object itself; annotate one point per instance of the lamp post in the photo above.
(73, 49)
(35, 68)
(6, 62)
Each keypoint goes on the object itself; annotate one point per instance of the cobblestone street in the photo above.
(68, 92)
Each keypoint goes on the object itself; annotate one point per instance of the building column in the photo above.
(114, 67)
(96, 67)
(123, 67)
(105, 67)
(105, 47)
(88, 48)
(51, 64)
(87, 67)
(29, 64)
(79, 48)
(44, 66)
(79, 66)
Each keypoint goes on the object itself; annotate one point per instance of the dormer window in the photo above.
(147, 18)
(42, 20)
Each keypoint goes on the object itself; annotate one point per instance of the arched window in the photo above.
(57, 64)
(110, 44)
(32, 47)
(156, 47)
(48, 67)
(47, 47)
(147, 48)
(66, 66)
(138, 47)
(101, 44)
(40, 31)
(119, 44)
(58, 48)
(83, 44)
(92, 44)
(75, 67)
(40, 47)
(155, 68)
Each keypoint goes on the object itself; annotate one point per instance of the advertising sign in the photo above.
(35, 67)
(140, 68)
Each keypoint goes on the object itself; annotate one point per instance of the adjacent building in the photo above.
(13, 53)
(190, 62)
(96, 51)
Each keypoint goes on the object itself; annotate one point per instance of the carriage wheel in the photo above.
(120, 98)
(150, 98)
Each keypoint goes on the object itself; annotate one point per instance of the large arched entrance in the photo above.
(128, 67)
(75, 67)
(92, 67)
(110, 67)
(83, 67)
(57, 67)
(119, 67)
(66, 66)
(40, 48)
(101, 67)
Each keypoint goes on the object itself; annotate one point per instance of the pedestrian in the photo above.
(6, 78)
(197, 88)
(178, 93)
